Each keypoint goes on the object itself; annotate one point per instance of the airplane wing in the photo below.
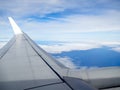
(26, 66)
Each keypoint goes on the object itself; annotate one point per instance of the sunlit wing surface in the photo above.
(25, 66)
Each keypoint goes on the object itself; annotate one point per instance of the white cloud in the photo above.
(63, 28)
(67, 62)
(66, 47)
(69, 47)
(20, 8)
(29, 7)
(110, 44)
(117, 49)
(81, 23)
(115, 46)
(66, 28)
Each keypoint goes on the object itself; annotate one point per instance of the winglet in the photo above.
(15, 27)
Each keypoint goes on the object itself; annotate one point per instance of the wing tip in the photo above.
(15, 27)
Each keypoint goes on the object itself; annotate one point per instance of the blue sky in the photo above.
(63, 20)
